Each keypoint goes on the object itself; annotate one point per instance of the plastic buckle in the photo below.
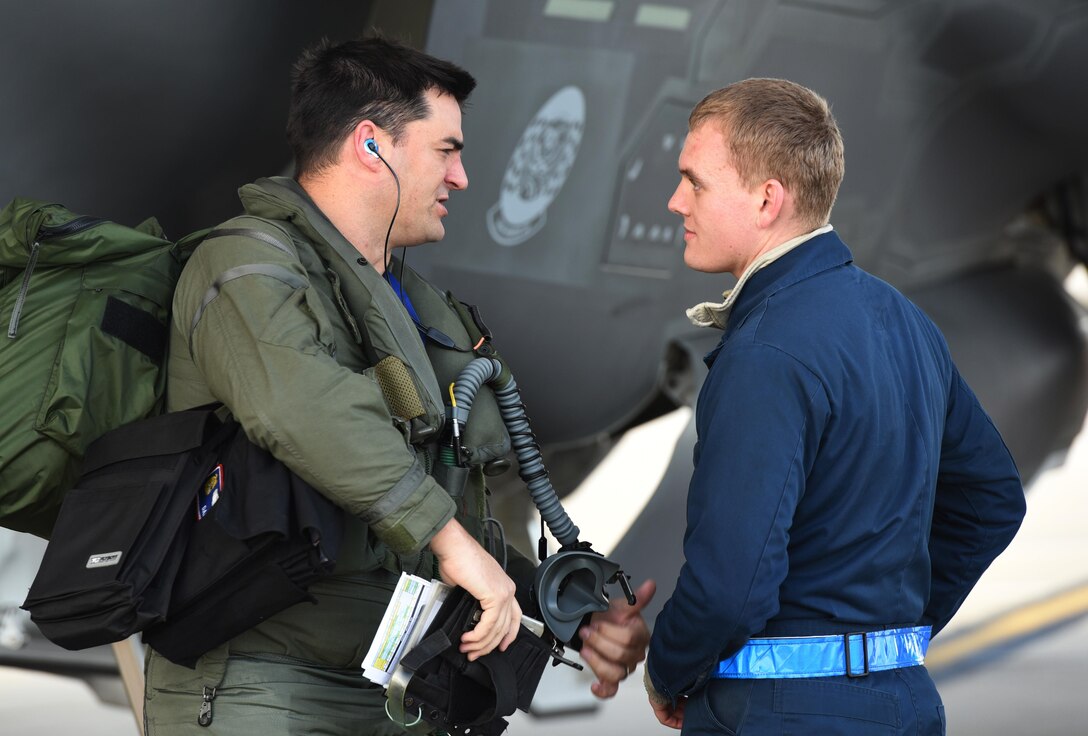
(864, 654)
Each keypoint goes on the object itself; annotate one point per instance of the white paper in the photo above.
(413, 606)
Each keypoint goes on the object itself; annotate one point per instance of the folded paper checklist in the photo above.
(411, 610)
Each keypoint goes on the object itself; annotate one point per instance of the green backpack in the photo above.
(86, 303)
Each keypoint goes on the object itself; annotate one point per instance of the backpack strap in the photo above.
(263, 269)
(248, 232)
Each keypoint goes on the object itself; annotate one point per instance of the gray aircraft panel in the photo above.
(557, 135)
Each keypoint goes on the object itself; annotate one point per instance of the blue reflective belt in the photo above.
(854, 655)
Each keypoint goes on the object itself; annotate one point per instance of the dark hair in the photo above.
(334, 87)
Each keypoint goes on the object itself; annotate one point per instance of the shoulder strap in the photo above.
(248, 232)
(263, 269)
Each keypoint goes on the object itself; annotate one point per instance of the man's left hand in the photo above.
(615, 641)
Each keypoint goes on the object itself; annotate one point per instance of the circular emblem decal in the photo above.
(538, 168)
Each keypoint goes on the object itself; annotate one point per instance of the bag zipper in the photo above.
(17, 311)
(71, 227)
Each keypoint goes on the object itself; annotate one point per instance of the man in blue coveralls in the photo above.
(848, 490)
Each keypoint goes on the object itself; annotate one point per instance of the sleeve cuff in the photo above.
(409, 529)
(655, 697)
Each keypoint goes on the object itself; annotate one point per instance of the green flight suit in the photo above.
(285, 330)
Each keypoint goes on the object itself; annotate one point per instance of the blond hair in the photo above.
(776, 129)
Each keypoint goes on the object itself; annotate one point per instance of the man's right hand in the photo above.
(463, 562)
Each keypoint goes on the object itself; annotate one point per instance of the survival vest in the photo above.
(85, 302)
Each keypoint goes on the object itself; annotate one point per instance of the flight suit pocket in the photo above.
(727, 703)
(301, 323)
(837, 700)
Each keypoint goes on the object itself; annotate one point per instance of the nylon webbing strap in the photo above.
(247, 232)
(505, 683)
(428, 648)
(854, 654)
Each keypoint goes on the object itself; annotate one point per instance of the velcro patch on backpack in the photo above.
(136, 328)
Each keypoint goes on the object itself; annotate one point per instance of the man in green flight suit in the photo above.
(284, 316)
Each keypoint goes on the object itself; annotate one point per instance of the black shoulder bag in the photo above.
(182, 528)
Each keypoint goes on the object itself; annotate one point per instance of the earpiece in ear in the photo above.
(371, 147)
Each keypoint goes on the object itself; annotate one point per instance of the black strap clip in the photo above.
(864, 654)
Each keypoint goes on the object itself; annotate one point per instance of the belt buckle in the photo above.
(864, 653)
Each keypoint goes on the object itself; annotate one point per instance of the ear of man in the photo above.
(365, 142)
(776, 206)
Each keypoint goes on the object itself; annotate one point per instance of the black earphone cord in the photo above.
(428, 332)
(385, 250)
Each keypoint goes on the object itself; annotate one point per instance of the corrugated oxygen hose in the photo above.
(530, 463)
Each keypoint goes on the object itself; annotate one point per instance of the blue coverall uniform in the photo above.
(846, 479)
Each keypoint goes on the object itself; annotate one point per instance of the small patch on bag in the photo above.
(103, 559)
(209, 494)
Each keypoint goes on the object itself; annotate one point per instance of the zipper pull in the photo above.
(205, 717)
(20, 301)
